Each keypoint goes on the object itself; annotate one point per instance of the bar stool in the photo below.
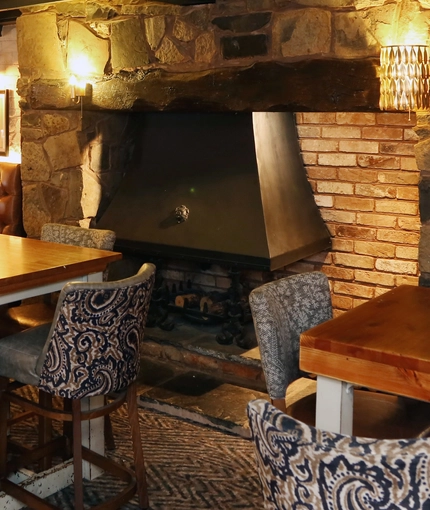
(90, 349)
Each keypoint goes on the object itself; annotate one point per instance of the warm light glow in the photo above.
(404, 80)
(13, 157)
(80, 66)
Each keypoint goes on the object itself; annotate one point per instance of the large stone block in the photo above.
(128, 46)
(205, 48)
(302, 32)
(63, 150)
(81, 43)
(155, 28)
(169, 53)
(55, 123)
(39, 49)
(424, 193)
(424, 249)
(422, 154)
(42, 203)
(184, 31)
(76, 194)
(354, 36)
(34, 166)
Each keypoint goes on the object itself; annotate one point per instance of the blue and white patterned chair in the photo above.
(281, 311)
(91, 348)
(302, 467)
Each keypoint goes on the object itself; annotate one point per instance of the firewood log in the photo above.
(208, 305)
(187, 301)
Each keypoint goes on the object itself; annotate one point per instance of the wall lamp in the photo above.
(405, 78)
(77, 89)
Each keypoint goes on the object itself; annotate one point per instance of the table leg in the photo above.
(335, 401)
(93, 435)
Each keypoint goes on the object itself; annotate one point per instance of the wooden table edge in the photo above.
(58, 273)
(378, 376)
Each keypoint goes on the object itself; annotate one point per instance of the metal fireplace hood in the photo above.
(226, 188)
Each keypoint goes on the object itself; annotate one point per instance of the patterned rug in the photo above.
(189, 466)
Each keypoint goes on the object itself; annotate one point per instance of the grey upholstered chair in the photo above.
(63, 359)
(33, 314)
(78, 236)
(302, 467)
(281, 311)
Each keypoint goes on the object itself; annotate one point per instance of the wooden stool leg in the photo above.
(45, 429)
(77, 454)
(4, 410)
(109, 439)
(139, 462)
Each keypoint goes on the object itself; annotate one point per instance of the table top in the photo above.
(27, 263)
(386, 337)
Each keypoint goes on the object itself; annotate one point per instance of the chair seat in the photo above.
(31, 315)
(19, 354)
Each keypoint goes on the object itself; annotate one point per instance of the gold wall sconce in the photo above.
(405, 78)
(78, 89)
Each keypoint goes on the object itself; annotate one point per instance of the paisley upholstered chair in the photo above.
(281, 311)
(302, 467)
(90, 349)
(27, 315)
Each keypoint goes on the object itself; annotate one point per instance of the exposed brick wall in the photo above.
(363, 172)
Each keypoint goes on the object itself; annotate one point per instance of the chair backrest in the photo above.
(281, 311)
(302, 467)
(93, 344)
(10, 199)
(78, 236)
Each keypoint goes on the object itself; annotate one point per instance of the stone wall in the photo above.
(149, 55)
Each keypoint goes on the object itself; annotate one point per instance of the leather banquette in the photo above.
(10, 199)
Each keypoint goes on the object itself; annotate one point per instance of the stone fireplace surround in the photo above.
(231, 55)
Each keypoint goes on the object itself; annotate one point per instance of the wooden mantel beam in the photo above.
(312, 85)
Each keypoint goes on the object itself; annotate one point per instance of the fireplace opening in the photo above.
(222, 313)
(201, 304)
(224, 196)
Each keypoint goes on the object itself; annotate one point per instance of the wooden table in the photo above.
(29, 267)
(383, 344)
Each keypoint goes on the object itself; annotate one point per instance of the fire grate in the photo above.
(228, 309)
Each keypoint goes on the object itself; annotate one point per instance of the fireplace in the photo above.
(204, 59)
(220, 190)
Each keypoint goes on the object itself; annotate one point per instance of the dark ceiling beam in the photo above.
(6, 5)
(8, 17)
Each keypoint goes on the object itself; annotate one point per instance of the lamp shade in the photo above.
(404, 78)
